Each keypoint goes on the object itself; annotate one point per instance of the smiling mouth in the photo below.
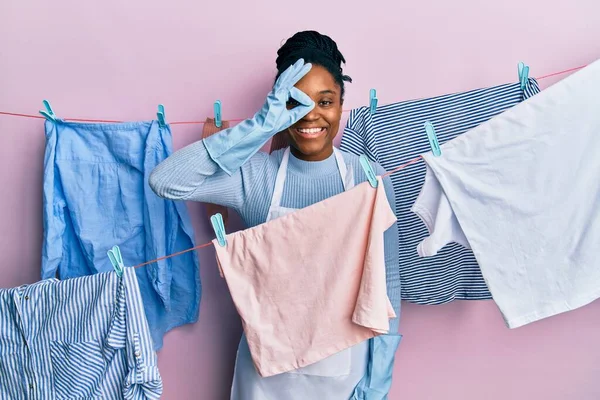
(309, 133)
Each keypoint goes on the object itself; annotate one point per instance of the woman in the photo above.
(228, 169)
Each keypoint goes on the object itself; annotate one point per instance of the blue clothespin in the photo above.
(523, 74)
(160, 115)
(433, 141)
(217, 108)
(48, 113)
(114, 255)
(368, 168)
(373, 101)
(219, 227)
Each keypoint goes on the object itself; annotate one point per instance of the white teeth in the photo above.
(310, 130)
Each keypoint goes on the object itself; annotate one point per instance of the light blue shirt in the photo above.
(78, 338)
(96, 196)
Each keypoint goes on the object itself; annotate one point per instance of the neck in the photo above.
(320, 156)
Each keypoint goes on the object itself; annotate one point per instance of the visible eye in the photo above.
(325, 103)
(291, 103)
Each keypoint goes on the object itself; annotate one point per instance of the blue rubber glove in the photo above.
(231, 148)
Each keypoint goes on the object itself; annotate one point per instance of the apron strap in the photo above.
(347, 178)
(280, 180)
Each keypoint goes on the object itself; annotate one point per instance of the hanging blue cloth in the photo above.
(96, 195)
(377, 381)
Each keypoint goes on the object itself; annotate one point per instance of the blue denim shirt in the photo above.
(96, 195)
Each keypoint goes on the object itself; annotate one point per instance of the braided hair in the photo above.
(314, 48)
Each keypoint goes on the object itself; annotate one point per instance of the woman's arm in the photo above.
(222, 168)
(191, 174)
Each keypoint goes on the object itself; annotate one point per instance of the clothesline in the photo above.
(13, 114)
(399, 168)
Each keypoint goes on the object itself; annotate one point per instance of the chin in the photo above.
(310, 149)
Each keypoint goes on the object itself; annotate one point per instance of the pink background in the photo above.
(118, 60)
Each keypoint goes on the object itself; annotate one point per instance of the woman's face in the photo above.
(311, 138)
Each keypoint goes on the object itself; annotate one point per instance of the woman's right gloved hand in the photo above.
(231, 148)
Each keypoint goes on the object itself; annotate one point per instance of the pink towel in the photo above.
(311, 283)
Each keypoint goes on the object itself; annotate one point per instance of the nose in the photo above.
(313, 115)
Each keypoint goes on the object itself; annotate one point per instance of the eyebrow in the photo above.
(327, 92)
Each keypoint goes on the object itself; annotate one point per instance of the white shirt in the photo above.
(523, 190)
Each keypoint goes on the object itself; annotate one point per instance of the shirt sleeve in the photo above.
(354, 138)
(143, 380)
(377, 381)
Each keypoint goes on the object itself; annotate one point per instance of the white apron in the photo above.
(333, 378)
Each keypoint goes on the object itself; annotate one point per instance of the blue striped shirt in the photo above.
(80, 338)
(395, 135)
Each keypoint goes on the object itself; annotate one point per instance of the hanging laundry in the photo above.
(210, 129)
(78, 338)
(96, 195)
(311, 283)
(332, 377)
(394, 135)
(524, 189)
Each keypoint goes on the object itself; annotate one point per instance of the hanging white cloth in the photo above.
(523, 189)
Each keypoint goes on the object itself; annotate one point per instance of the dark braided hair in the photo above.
(314, 48)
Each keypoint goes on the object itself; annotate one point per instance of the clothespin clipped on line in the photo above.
(218, 116)
(219, 227)
(368, 168)
(373, 101)
(432, 137)
(114, 255)
(48, 113)
(523, 74)
(160, 115)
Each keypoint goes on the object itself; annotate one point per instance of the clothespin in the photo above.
(160, 115)
(368, 168)
(114, 255)
(48, 113)
(219, 227)
(373, 101)
(217, 108)
(432, 137)
(523, 74)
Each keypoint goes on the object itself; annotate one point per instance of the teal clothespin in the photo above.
(48, 113)
(432, 137)
(217, 108)
(160, 115)
(368, 168)
(373, 101)
(523, 74)
(114, 255)
(219, 228)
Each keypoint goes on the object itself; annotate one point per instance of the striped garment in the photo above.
(81, 338)
(395, 135)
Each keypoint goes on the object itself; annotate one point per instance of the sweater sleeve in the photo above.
(191, 174)
(392, 266)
